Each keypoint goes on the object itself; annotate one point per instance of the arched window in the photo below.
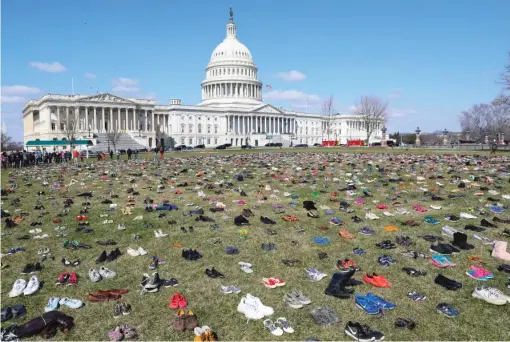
(208, 128)
(215, 128)
(182, 128)
(199, 128)
(190, 128)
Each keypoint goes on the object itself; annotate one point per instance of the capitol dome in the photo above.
(231, 75)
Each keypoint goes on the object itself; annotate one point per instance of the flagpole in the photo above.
(72, 84)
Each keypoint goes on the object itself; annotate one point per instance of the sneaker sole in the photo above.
(370, 313)
(348, 333)
(471, 276)
(441, 312)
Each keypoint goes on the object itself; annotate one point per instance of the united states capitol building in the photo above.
(232, 111)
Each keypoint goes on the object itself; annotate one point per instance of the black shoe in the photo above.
(452, 218)
(460, 240)
(247, 213)
(357, 219)
(405, 323)
(487, 224)
(473, 228)
(106, 242)
(240, 220)
(29, 268)
(216, 273)
(339, 292)
(447, 283)
(362, 333)
(413, 272)
(6, 314)
(266, 220)
(504, 268)
(440, 248)
(209, 273)
(312, 214)
(495, 219)
(102, 258)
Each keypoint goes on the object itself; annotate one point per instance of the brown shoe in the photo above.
(191, 320)
(180, 321)
(102, 297)
(112, 292)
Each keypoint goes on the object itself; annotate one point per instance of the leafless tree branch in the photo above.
(69, 127)
(373, 113)
(113, 136)
(505, 75)
(328, 111)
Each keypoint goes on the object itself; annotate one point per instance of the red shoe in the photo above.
(376, 280)
(56, 220)
(182, 301)
(381, 206)
(78, 218)
(269, 282)
(174, 302)
(73, 279)
(62, 278)
(278, 282)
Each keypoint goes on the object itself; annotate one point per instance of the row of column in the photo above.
(217, 90)
(112, 118)
(241, 124)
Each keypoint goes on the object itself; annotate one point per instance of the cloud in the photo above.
(90, 75)
(395, 93)
(399, 113)
(353, 108)
(291, 96)
(291, 76)
(17, 93)
(125, 85)
(48, 67)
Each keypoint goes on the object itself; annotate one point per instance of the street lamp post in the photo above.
(417, 142)
(445, 137)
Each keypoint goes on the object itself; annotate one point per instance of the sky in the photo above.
(428, 59)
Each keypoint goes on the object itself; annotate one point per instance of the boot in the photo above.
(337, 285)
(499, 251)
(460, 240)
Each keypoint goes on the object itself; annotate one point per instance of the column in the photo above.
(101, 126)
(152, 126)
(119, 126)
(145, 122)
(245, 125)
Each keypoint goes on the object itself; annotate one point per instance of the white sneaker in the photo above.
(35, 231)
(94, 275)
(18, 287)
(71, 303)
(266, 310)
(448, 231)
(436, 207)
(387, 213)
(273, 329)
(501, 294)
(106, 273)
(161, 234)
(245, 267)
(371, 216)
(32, 286)
(467, 216)
(44, 236)
(249, 309)
(489, 295)
(156, 234)
(142, 251)
(121, 227)
(483, 239)
(133, 252)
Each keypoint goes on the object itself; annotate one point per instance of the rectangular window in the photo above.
(208, 141)
(53, 126)
(191, 141)
(183, 141)
(215, 140)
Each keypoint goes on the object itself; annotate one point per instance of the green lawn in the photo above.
(152, 317)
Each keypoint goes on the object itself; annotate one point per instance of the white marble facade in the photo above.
(231, 111)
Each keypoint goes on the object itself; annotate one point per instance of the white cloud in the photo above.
(17, 93)
(48, 67)
(399, 113)
(125, 85)
(353, 108)
(395, 93)
(90, 75)
(291, 76)
(13, 99)
(19, 90)
(291, 96)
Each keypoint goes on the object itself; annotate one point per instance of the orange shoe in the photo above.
(345, 234)
(376, 280)
(390, 228)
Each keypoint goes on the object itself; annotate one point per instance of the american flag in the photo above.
(268, 86)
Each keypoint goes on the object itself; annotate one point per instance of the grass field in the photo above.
(152, 317)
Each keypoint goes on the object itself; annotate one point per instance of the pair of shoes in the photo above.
(230, 289)
(245, 266)
(376, 280)
(136, 252)
(277, 328)
(405, 323)
(296, 299)
(362, 333)
(372, 304)
(70, 263)
(121, 309)
(102, 273)
(67, 278)
(416, 296)
(21, 286)
(314, 274)
(204, 334)
(177, 301)
(150, 283)
(413, 272)
(185, 320)
(124, 331)
(386, 260)
(443, 248)
(447, 310)
(447, 283)
(13, 312)
(190, 254)
(55, 302)
(343, 233)
(113, 255)
(346, 265)
(253, 308)
(31, 268)
(213, 273)
(386, 244)
(324, 316)
(159, 233)
(441, 261)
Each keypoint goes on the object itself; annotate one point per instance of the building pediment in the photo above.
(106, 97)
(268, 109)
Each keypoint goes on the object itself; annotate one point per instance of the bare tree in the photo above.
(505, 75)
(69, 127)
(328, 111)
(373, 113)
(113, 137)
(6, 140)
(490, 119)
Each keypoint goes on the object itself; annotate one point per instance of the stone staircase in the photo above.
(125, 141)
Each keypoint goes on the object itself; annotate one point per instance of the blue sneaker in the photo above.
(367, 305)
(367, 231)
(447, 310)
(358, 251)
(52, 305)
(380, 302)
